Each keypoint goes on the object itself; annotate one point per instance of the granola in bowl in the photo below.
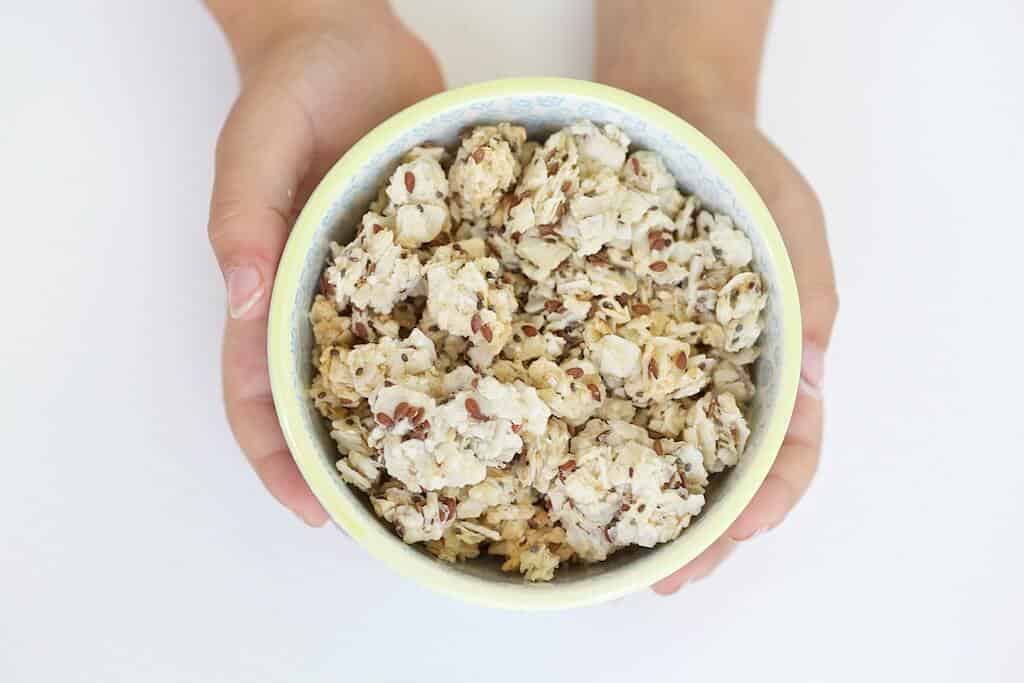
(539, 350)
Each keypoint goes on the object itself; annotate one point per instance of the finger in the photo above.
(262, 155)
(791, 473)
(698, 568)
(790, 476)
(253, 420)
(796, 211)
(801, 220)
(786, 483)
(803, 229)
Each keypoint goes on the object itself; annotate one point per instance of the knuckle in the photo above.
(238, 226)
(224, 212)
(222, 230)
(820, 308)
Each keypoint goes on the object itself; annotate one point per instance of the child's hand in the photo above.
(799, 216)
(702, 61)
(315, 78)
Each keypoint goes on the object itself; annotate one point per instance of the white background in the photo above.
(135, 544)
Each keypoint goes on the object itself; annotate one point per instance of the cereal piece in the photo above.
(668, 417)
(419, 223)
(600, 147)
(336, 378)
(471, 532)
(508, 371)
(454, 290)
(716, 426)
(542, 183)
(418, 181)
(545, 453)
(426, 151)
(537, 562)
(329, 403)
(667, 370)
(535, 549)
(558, 312)
(684, 220)
(742, 333)
(328, 326)
(731, 246)
(616, 357)
(528, 342)
(728, 377)
(475, 429)
(362, 471)
(499, 488)
(654, 253)
(619, 491)
(740, 297)
(602, 193)
(453, 547)
(617, 409)
(373, 271)
(572, 398)
(485, 168)
(464, 300)
(691, 462)
(646, 172)
(370, 365)
(416, 518)
(590, 234)
(541, 256)
(350, 433)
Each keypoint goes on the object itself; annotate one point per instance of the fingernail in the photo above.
(245, 289)
(812, 368)
(808, 390)
(752, 535)
(673, 590)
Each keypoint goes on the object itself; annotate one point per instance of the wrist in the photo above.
(691, 90)
(252, 32)
(695, 53)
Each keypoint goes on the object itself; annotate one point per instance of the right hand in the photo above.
(313, 83)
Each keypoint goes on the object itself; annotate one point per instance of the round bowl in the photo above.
(542, 105)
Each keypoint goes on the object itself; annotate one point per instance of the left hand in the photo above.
(798, 213)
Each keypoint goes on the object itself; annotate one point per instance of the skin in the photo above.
(301, 107)
(704, 65)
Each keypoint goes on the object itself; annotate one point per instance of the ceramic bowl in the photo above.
(542, 105)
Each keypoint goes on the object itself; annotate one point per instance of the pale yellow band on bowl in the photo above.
(433, 573)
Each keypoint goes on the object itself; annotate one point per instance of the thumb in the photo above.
(263, 153)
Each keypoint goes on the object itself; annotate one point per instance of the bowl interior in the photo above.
(541, 111)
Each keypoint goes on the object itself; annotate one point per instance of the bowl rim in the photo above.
(428, 571)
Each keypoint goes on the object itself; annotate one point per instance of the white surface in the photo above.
(135, 545)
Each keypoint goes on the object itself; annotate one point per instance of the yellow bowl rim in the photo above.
(416, 565)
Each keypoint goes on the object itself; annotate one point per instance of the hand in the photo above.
(702, 61)
(315, 78)
(799, 216)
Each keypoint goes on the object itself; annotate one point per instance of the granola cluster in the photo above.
(539, 351)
